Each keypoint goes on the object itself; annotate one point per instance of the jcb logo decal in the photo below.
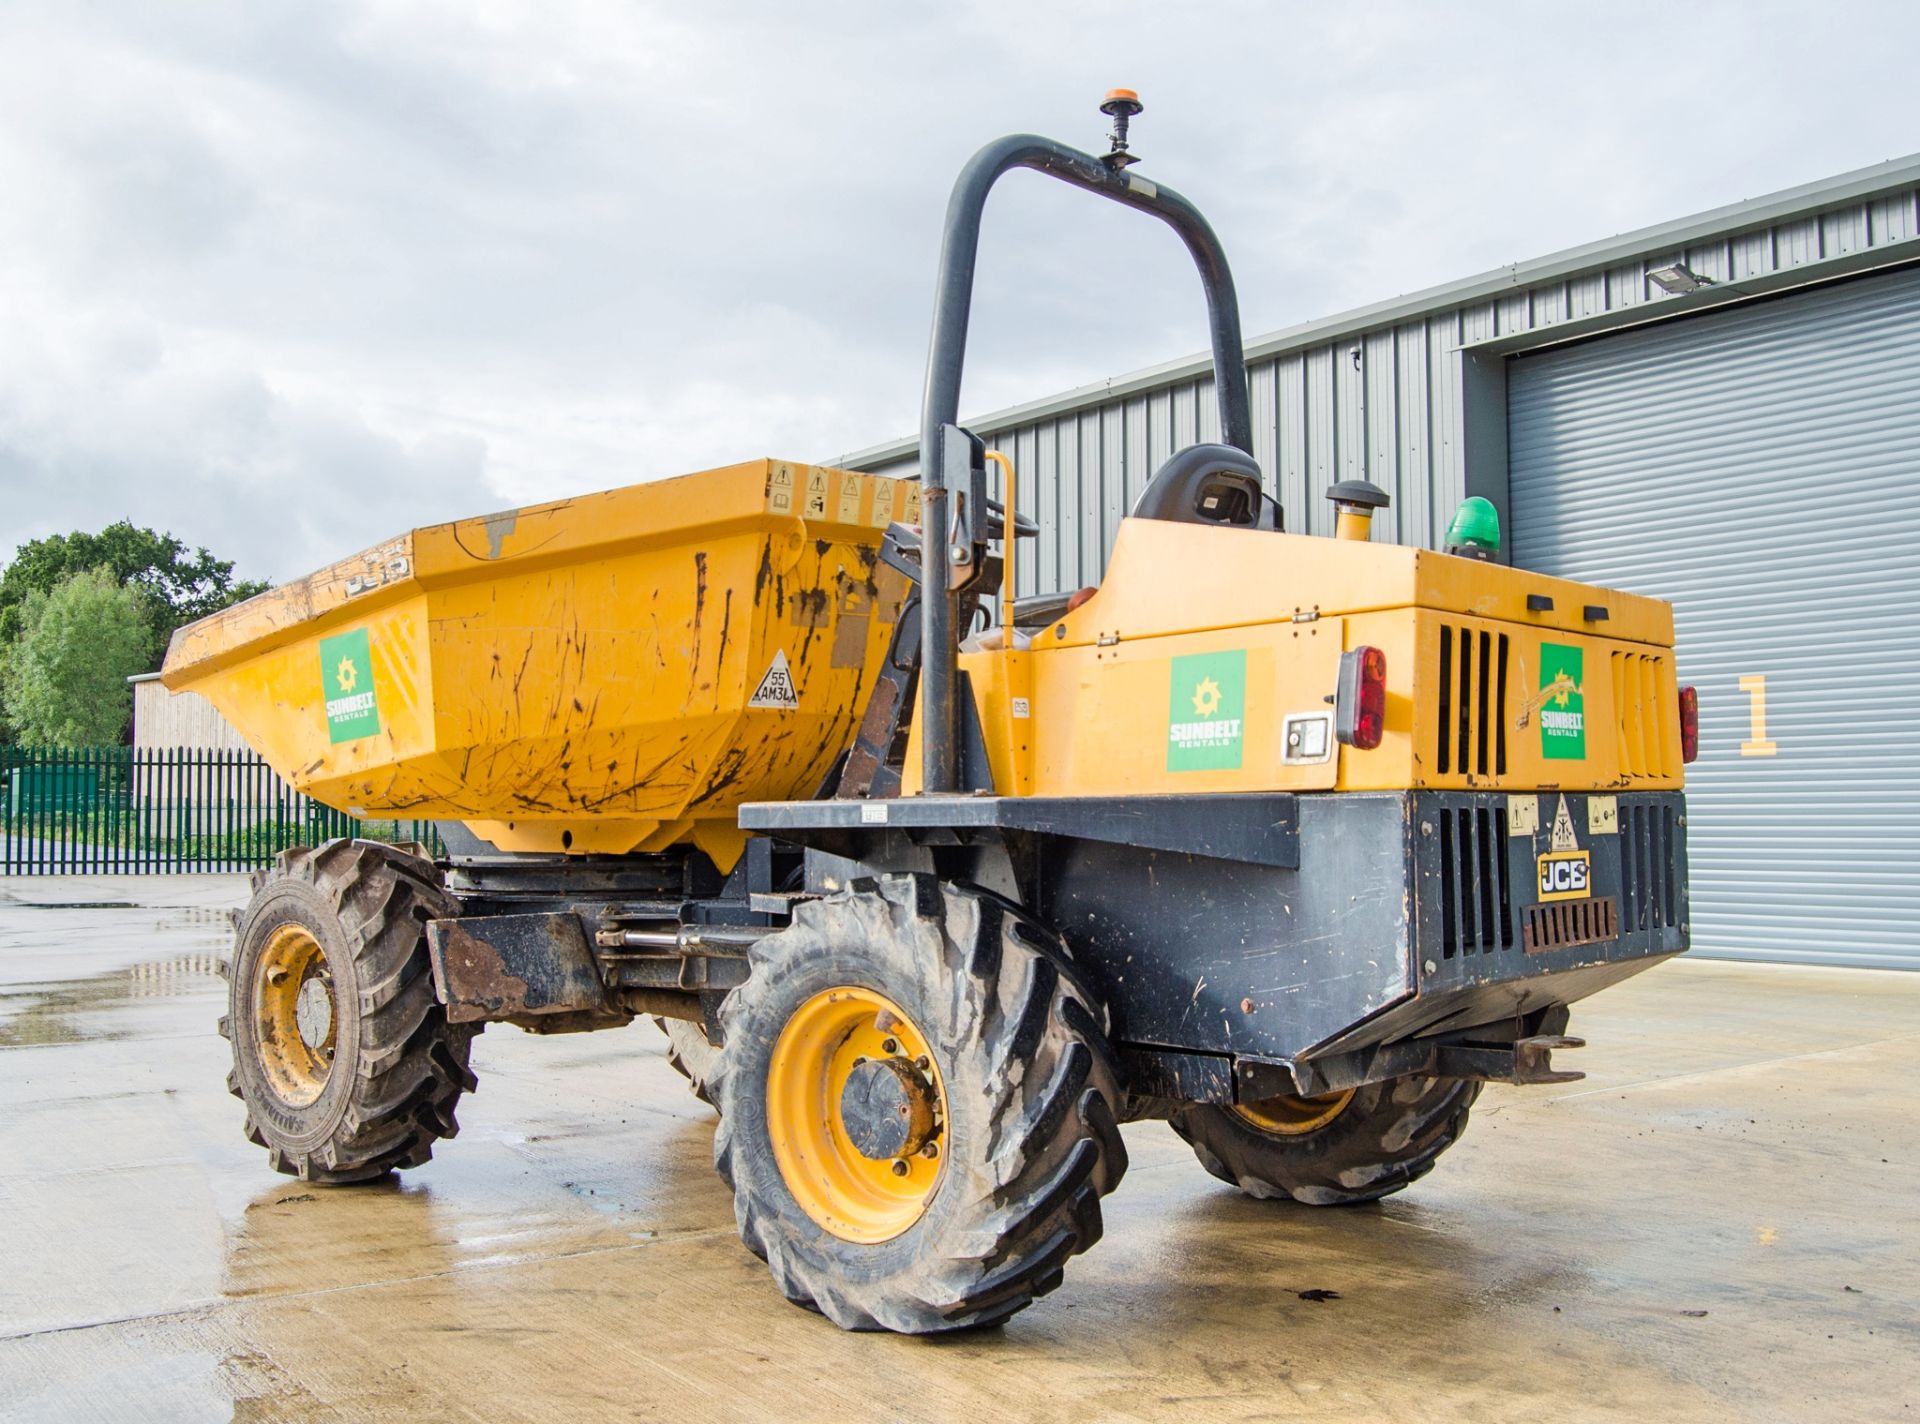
(1566, 875)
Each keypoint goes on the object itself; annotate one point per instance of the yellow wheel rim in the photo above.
(295, 1015)
(848, 1036)
(1289, 1116)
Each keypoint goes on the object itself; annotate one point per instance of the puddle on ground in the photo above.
(173, 916)
(78, 904)
(67, 1013)
(292, 1238)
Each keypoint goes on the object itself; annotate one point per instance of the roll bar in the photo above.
(946, 356)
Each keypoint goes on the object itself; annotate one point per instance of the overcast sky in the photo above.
(285, 277)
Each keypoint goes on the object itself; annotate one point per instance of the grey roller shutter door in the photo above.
(1760, 467)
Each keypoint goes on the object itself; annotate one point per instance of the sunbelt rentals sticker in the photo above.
(1204, 715)
(346, 677)
(1563, 704)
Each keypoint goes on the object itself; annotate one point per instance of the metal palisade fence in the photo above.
(128, 810)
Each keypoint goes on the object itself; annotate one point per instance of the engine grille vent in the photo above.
(1476, 908)
(1571, 922)
(1646, 882)
(1471, 735)
(1641, 692)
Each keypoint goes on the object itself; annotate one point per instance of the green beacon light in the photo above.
(1475, 531)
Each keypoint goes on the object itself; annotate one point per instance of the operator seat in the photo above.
(1208, 484)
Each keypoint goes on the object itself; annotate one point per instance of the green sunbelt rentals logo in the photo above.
(1204, 715)
(1563, 704)
(346, 676)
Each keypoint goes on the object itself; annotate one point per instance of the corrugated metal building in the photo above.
(1746, 444)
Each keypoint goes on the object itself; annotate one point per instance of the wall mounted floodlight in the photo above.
(1678, 279)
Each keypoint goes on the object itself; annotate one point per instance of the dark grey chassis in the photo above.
(1244, 945)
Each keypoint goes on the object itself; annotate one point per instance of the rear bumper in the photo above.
(1487, 935)
(1479, 893)
(1271, 931)
(1406, 916)
(1438, 934)
(1488, 943)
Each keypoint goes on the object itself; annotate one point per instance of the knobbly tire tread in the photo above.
(689, 1054)
(391, 1093)
(1388, 1137)
(1033, 1088)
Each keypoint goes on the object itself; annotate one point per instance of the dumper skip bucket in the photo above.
(597, 675)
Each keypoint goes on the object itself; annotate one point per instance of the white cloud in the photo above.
(286, 278)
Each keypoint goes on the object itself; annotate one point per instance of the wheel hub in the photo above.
(887, 1109)
(295, 1022)
(313, 1013)
(856, 1114)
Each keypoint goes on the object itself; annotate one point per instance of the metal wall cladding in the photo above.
(1379, 407)
(1377, 394)
(1760, 467)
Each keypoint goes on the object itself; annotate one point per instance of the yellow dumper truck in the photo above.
(1293, 842)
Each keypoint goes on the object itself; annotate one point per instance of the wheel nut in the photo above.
(891, 1046)
(900, 1168)
(922, 1063)
(931, 1150)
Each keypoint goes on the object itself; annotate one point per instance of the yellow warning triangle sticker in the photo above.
(1563, 837)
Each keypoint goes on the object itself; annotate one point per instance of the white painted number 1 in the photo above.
(1755, 686)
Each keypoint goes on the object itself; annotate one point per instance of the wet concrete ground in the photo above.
(1720, 1223)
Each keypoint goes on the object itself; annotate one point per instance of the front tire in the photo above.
(1356, 1146)
(918, 1108)
(341, 1051)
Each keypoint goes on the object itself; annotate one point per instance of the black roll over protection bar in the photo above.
(946, 458)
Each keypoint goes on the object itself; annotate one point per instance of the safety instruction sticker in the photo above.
(776, 687)
(850, 492)
(1204, 714)
(780, 488)
(1563, 837)
(346, 679)
(1563, 704)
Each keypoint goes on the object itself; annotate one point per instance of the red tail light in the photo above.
(1360, 701)
(1689, 724)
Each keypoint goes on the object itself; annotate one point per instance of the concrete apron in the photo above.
(1722, 1222)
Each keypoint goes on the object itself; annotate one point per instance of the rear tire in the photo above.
(341, 1051)
(1381, 1138)
(690, 1055)
(1015, 1078)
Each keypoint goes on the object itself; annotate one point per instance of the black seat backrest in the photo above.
(1208, 484)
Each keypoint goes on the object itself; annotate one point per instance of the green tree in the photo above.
(173, 586)
(65, 674)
